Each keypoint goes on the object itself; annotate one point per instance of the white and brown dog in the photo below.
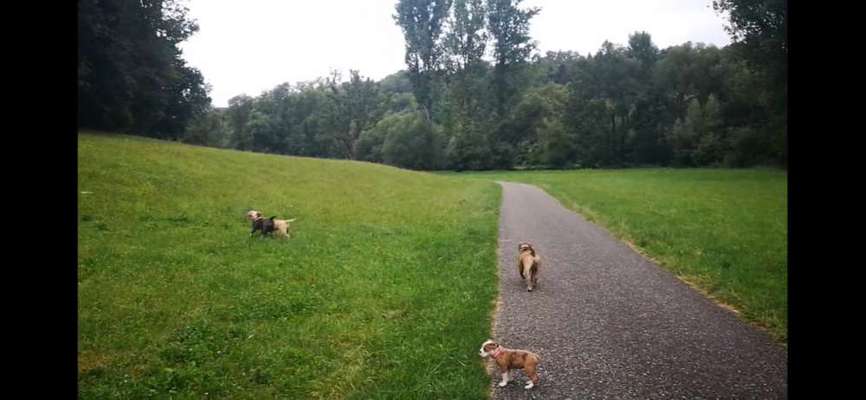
(280, 226)
(508, 359)
(527, 265)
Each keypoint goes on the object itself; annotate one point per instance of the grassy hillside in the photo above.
(724, 231)
(384, 291)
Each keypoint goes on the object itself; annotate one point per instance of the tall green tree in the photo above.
(698, 139)
(422, 24)
(508, 25)
(712, 144)
(238, 115)
(410, 141)
(208, 129)
(615, 78)
(465, 39)
(358, 105)
(759, 31)
(648, 114)
(465, 43)
(642, 49)
(540, 114)
(131, 76)
(554, 67)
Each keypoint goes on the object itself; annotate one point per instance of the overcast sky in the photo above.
(249, 46)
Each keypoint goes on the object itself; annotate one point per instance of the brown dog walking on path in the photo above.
(527, 265)
(508, 359)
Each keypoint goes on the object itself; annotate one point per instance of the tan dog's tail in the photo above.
(527, 269)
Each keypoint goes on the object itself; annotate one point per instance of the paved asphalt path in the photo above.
(609, 324)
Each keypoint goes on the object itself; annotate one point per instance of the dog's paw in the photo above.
(503, 383)
(529, 385)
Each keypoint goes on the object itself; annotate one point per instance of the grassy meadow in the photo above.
(384, 291)
(723, 231)
(386, 288)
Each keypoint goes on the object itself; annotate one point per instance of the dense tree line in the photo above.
(131, 76)
(475, 94)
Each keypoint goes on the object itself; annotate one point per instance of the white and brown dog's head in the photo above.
(525, 247)
(489, 349)
(253, 215)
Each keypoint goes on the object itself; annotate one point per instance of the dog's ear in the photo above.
(272, 218)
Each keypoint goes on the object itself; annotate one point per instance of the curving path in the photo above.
(609, 324)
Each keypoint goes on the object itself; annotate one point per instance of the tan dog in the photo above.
(281, 226)
(527, 265)
(508, 359)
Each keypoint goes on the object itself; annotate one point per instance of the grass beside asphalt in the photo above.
(723, 231)
(384, 291)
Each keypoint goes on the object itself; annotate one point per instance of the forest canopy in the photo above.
(476, 93)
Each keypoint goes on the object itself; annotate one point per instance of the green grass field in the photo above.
(385, 290)
(723, 231)
(387, 287)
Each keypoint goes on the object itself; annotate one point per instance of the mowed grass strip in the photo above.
(384, 291)
(723, 231)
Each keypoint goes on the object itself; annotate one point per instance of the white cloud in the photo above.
(582, 26)
(248, 46)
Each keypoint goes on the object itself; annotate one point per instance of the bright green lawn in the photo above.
(725, 231)
(385, 291)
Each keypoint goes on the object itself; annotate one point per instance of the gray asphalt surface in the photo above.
(609, 324)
